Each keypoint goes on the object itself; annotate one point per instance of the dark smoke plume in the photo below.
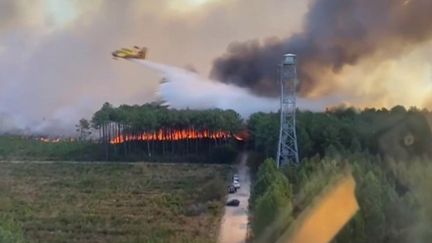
(336, 33)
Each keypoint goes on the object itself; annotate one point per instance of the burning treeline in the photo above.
(151, 129)
(171, 135)
(336, 34)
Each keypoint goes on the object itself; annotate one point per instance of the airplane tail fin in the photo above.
(143, 53)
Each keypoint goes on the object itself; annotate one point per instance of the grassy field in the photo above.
(22, 148)
(62, 202)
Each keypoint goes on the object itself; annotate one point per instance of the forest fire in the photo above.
(173, 135)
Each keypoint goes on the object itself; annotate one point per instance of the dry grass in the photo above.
(112, 203)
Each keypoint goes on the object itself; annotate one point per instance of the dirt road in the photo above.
(235, 220)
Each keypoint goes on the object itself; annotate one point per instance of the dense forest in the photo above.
(397, 133)
(154, 132)
(388, 153)
(149, 132)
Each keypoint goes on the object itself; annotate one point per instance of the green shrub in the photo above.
(271, 202)
(10, 231)
(213, 190)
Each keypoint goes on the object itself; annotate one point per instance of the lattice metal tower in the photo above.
(287, 149)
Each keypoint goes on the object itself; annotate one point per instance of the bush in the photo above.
(10, 231)
(195, 210)
(272, 214)
(213, 190)
(271, 202)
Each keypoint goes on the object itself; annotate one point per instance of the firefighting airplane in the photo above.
(127, 53)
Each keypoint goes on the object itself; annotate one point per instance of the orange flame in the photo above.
(171, 135)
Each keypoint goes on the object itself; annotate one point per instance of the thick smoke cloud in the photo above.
(336, 34)
(55, 62)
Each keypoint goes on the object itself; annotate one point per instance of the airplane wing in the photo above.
(135, 53)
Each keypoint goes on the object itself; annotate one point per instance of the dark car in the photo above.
(233, 203)
(232, 189)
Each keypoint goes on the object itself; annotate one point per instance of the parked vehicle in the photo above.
(232, 189)
(236, 184)
(233, 203)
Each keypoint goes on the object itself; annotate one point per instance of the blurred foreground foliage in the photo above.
(388, 152)
(394, 197)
